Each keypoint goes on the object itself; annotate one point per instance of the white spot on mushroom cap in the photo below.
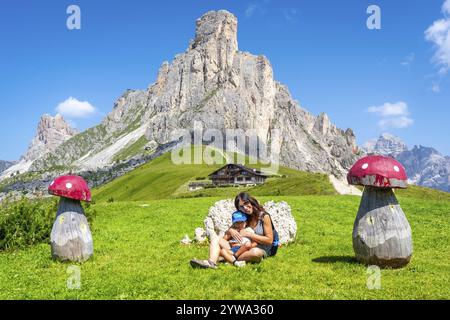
(397, 169)
(365, 166)
(68, 185)
(52, 183)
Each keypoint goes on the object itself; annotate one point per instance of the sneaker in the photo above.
(203, 264)
(239, 264)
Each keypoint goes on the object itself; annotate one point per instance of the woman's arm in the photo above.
(267, 238)
(233, 233)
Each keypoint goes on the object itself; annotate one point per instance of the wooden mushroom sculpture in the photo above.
(71, 238)
(381, 233)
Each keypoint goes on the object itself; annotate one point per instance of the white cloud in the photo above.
(446, 7)
(439, 34)
(398, 122)
(250, 10)
(290, 14)
(391, 109)
(258, 6)
(436, 88)
(393, 115)
(408, 60)
(73, 108)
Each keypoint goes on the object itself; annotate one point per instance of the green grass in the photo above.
(417, 192)
(161, 179)
(138, 256)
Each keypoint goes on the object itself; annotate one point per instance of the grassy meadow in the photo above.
(138, 256)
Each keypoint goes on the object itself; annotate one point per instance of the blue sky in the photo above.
(373, 81)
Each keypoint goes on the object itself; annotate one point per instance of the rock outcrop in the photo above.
(218, 220)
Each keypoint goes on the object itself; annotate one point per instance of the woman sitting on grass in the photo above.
(259, 220)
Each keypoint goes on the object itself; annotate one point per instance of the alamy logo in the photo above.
(235, 141)
(374, 20)
(74, 280)
(374, 279)
(73, 22)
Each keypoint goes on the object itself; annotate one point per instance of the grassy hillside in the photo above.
(417, 192)
(157, 179)
(291, 183)
(161, 178)
(138, 256)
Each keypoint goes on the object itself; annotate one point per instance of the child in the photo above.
(239, 223)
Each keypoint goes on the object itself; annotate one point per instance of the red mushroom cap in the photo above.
(72, 187)
(378, 171)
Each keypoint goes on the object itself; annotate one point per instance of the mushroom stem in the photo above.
(381, 233)
(71, 238)
(69, 205)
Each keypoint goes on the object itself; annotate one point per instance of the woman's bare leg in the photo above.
(253, 255)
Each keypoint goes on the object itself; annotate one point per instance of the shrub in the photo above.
(27, 222)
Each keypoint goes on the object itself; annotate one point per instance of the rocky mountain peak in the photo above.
(386, 144)
(218, 27)
(51, 132)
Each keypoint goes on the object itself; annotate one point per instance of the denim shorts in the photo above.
(235, 249)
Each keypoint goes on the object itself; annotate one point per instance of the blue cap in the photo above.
(238, 217)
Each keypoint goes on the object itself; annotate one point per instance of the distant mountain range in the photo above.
(425, 166)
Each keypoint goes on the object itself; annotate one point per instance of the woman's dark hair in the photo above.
(245, 197)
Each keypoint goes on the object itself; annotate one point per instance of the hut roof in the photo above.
(240, 166)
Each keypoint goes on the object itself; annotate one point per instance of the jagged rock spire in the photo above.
(51, 132)
(219, 27)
